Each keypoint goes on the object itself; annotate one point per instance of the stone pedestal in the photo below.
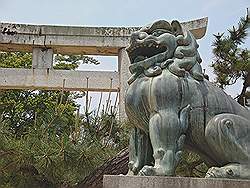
(170, 182)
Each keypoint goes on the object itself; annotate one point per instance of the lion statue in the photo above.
(172, 106)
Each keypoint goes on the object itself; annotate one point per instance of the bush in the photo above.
(43, 158)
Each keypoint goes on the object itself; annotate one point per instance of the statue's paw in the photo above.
(212, 172)
(133, 168)
(223, 172)
(147, 171)
(130, 173)
(151, 171)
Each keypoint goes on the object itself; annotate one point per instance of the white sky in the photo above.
(222, 14)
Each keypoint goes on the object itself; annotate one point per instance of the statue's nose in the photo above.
(138, 36)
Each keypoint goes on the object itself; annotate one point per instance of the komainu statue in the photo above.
(172, 106)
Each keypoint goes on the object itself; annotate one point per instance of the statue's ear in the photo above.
(177, 29)
(160, 24)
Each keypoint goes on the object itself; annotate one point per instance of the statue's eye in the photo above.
(229, 172)
(157, 32)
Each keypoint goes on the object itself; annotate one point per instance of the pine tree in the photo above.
(231, 62)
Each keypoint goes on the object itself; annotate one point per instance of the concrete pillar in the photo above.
(42, 58)
(124, 74)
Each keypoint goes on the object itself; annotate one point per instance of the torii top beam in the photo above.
(76, 40)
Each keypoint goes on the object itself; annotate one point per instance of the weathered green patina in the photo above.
(171, 106)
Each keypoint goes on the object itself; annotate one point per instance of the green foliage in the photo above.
(22, 109)
(73, 61)
(15, 60)
(191, 165)
(24, 60)
(43, 158)
(231, 62)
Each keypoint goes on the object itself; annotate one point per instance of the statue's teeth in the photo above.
(157, 46)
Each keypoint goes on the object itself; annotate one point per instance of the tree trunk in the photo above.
(246, 84)
(115, 166)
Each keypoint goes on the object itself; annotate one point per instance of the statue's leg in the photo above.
(140, 151)
(167, 135)
(228, 136)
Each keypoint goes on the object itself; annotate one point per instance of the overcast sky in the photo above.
(222, 14)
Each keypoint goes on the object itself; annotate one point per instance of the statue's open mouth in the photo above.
(145, 50)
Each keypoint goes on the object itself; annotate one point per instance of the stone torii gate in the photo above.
(45, 40)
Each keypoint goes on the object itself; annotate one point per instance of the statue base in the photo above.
(122, 181)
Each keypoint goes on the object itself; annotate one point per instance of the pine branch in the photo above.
(238, 35)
